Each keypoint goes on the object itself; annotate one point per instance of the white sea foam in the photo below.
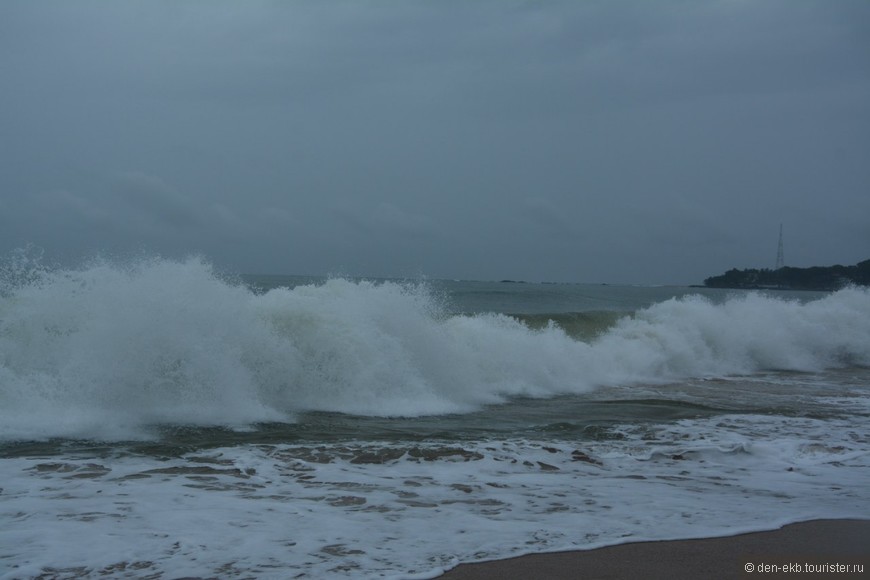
(332, 511)
(106, 350)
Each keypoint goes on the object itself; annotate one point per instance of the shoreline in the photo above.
(814, 542)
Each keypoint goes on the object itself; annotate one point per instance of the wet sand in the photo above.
(819, 543)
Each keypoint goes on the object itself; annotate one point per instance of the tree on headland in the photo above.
(815, 278)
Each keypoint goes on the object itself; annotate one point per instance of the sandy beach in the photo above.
(821, 544)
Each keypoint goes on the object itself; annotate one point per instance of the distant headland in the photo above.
(816, 278)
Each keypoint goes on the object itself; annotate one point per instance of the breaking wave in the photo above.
(107, 350)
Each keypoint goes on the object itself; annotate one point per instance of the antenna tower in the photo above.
(780, 256)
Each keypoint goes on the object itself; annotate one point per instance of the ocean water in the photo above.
(161, 420)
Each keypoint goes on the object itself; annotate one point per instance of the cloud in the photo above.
(66, 205)
(154, 200)
(464, 139)
(383, 219)
(554, 220)
(278, 217)
(387, 216)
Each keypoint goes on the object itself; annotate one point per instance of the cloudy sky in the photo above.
(586, 141)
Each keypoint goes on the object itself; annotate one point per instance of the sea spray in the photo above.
(109, 350)
(693, 337)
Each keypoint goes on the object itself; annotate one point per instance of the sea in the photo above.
(162, 418)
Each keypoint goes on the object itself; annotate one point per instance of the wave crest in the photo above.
(108, 349)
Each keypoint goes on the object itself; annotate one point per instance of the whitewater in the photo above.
(160, 419)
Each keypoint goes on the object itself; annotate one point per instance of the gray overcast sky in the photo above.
(626, 142)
